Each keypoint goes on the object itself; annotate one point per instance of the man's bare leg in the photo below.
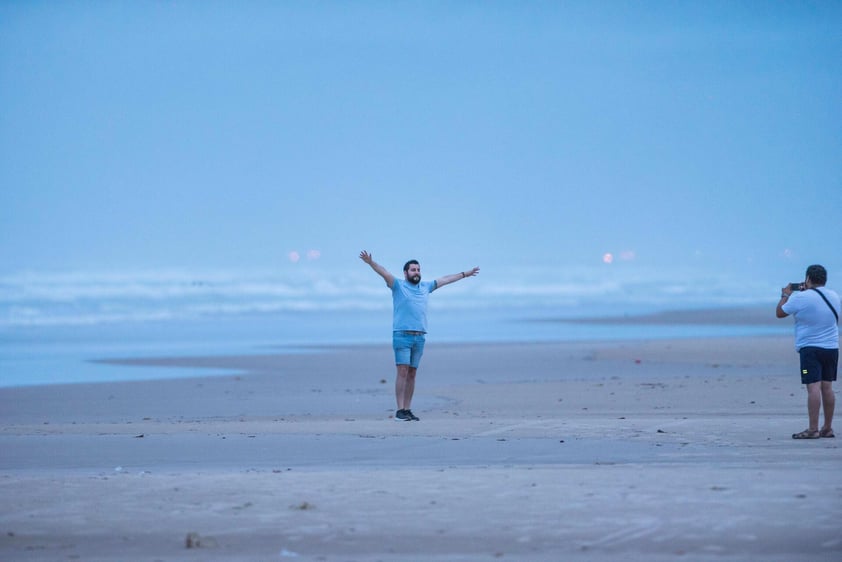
(828, 404)
(814, 404)
(409, 387)
(400, 385)
(404, 389)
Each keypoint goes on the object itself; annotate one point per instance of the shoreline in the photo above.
(730, 316)
(101, 354)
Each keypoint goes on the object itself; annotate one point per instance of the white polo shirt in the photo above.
(815, 325)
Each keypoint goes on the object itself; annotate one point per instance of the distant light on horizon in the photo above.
(311, 255)
(625, 255)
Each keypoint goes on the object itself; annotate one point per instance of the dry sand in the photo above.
(648, 450)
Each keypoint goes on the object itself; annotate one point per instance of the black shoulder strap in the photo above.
(824, 298)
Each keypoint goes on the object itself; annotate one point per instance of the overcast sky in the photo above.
(243, 134)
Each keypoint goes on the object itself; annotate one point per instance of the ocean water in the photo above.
(53, 326)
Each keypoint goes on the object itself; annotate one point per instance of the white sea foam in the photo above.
(52, 324)
(84, 298)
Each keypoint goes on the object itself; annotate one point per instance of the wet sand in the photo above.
(644, 450)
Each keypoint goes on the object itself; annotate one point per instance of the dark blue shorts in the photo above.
(818, 364)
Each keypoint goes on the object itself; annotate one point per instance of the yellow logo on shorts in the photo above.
(803, 371)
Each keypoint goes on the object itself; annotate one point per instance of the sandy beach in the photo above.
(642, 450)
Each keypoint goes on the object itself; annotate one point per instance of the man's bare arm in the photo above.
(785, 293)
(379, 269)
(448, 279)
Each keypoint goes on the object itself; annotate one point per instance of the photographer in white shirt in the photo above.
(816, 310)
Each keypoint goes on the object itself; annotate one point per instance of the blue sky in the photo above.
(230, 134)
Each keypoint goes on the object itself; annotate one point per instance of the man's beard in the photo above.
(415, 279)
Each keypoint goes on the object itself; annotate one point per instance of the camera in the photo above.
(796, 286)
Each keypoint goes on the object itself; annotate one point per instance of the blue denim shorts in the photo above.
(409, 347)
(818, 364)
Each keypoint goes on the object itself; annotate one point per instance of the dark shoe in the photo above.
(826, 433)
(412, 416)
(806, 434)
(403, 415)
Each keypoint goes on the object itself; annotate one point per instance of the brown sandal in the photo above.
(806, 434)
(826, 433)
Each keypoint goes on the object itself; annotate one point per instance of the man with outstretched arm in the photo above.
(409, 323)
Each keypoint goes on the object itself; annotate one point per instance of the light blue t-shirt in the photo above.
(409, 304)
(815, 325)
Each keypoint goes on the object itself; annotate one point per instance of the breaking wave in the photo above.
(89, 298)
